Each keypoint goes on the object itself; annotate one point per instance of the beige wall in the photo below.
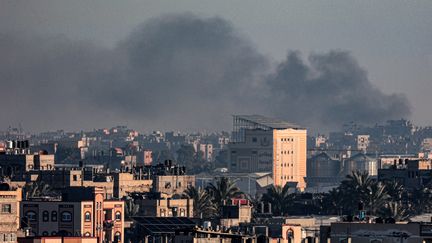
(282, 152)
(125, 183)
(289, 160)
(170, 185)
(164, 207)
(9, 223)
(78, 226)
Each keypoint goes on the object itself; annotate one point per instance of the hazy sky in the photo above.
(391, 40)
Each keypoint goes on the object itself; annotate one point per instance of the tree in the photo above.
(186, 154)
(224, 189)
(202, 202)
(279, 198)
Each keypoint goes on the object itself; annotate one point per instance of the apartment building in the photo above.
(79, 211)
(9, 213)
(262, 144)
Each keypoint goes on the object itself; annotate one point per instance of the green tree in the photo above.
(202, 202)
(279, 198)
(224, 189)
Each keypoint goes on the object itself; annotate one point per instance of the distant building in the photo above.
(166, 207)
(9, 213)
(362, 142)
(323, 172)
(376, 233)
(207, 151)
(58, 239)
(360, 162)
(412, 174)
(234, 213)
(79, 212)
(262, 144)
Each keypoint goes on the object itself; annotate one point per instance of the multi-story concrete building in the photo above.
(372, 232)
(166, 207)
(79, 212)
(9, 213)
(235, 212)
(169, 185)
(15, 165)
(262, 144)
(207, 151)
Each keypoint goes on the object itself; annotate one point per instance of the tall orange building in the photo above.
(262, 144)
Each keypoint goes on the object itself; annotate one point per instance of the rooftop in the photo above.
(270, 123)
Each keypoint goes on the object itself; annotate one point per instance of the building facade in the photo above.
(262, 144)
(9, 213)
(80, 212)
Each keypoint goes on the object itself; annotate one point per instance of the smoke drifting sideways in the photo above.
(330, 90)
(179, 72)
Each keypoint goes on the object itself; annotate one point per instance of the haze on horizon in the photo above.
(188, 66)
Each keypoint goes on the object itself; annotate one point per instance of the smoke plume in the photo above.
(329, 90)
(179, 72)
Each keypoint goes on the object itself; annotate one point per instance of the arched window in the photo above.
(54, 216)
(31, 215)
(45, 216)
(117, 237)
(45, 233)
(53, 233)
(87, 217)
(290, 235)
(66, 217)
(118, 216)
(87, 234)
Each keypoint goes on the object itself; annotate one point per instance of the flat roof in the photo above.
(164, 225)
(272, 123)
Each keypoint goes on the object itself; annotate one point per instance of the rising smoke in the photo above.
(179, 72)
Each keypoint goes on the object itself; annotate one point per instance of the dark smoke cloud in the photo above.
(329, 90)
(178, 72)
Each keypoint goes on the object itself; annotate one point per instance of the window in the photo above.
(45, 233)
(54, 216)
(118, 216)
(182, 212)
(254, 139)
(117, 237)
(167, 185)
(45, 216)
(74, 178)
(31, 215)
(53, 233)
(66, 217)
(87, 217)
(6, 208)
(87, 234)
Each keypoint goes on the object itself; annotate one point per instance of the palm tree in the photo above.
(395, 210)
(279, 198)
(360, 188)
(202, 202)
(377, 197)
(224, 189)
(395, 190)
(421, 200)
